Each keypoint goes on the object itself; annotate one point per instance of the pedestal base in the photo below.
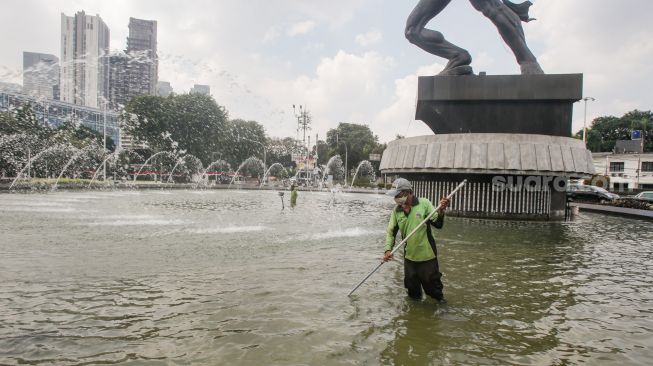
(500, 197)
(526, 104)
(516, 176)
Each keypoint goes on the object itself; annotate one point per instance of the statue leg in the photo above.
(433, 42)
(510, 29)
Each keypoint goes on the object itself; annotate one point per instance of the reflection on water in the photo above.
(219, 277)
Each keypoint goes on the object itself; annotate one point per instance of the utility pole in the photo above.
(585, 119)
(29, 162)
(303, 120)
(317, 154)
(303, 123)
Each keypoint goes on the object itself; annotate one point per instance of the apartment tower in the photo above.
(84, 78)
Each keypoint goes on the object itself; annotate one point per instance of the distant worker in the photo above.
(293, 196)
(421, 269)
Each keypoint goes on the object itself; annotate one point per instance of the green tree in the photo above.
(7, 124)
(280, 151)
(15, 150)
(252, 167)
(147, 120)
(243, 139)
(605, 131)
(23, 136)
(197, 124)
(23, 120)
(359, 139)
(193, 123)
(79, 136)
(322, 151)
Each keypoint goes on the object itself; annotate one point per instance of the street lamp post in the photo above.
(585, 120)
(308, 154)
(104, 135)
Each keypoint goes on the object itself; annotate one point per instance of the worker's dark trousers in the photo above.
(418, 275)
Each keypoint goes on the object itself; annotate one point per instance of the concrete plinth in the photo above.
(526, 104)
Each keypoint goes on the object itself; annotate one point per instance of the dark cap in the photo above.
(399, 185)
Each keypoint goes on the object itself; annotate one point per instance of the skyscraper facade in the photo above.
(142, 47)
(41, 75)
(119, 80)
(135, 72)
(84, 78)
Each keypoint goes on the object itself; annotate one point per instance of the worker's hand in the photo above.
(387, 256)
(444, 203)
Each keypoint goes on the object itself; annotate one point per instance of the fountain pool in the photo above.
(227, 277)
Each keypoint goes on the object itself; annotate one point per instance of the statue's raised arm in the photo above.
(505, 15)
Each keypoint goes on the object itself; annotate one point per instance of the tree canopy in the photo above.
(605, 131)
(280, 150)
(241, 140)
(360, 141)
(191, 123)
(22, 135)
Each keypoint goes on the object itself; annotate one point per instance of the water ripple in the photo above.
(232, 278)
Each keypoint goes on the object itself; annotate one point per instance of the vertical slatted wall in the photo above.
(480, 198)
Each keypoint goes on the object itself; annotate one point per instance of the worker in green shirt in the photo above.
(293, 196)
(421, 269)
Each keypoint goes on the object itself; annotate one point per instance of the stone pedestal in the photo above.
(515, 147)
(532, 104)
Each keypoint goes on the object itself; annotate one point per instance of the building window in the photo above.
(617, 166)
(621, 187)
(647, 166)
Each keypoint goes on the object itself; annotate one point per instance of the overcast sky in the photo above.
(348, 60)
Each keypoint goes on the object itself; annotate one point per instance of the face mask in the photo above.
(401, 200)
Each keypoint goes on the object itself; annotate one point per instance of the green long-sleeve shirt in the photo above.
(421, 246)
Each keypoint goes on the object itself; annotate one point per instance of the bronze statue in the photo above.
(506, 16)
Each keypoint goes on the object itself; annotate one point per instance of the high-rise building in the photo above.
(119, 80)
(40, 75)
(11, 87)
(84, 77)
(200, 89)
(135, 72)
(142, 47)
(163, 88)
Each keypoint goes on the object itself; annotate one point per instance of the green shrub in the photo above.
(632, 203)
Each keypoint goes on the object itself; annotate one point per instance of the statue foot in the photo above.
(531, 68)
(458, 70)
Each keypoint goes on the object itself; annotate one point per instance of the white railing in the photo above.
(481, 198)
